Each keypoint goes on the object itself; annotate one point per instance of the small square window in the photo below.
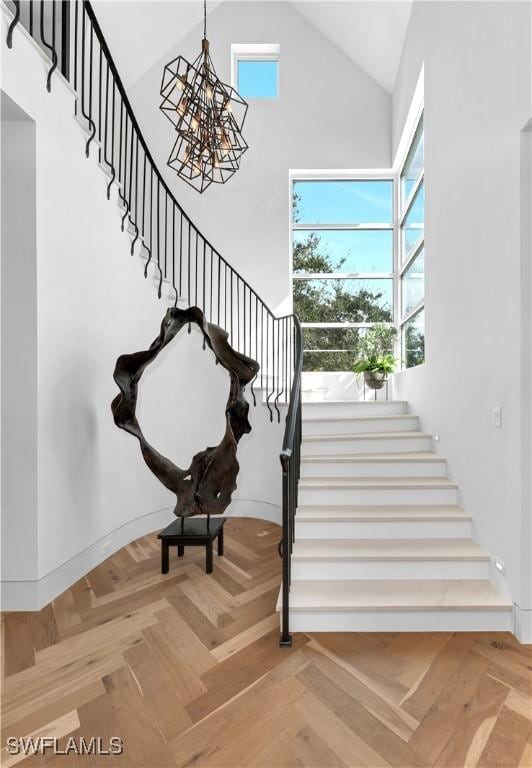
(255, 70)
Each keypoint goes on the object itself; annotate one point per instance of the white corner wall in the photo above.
(92, 490)
(19, 346)
(477, 102)
(330, 114)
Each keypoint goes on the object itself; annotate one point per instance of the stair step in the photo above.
(383, 513)
(398, 595)
(408, 605)
(388, 549)
(321, 483)
(340, 408)
(376, 490)
(413, 464)
(381, 521)
(363, 443)
(409, 434)
(354, 425)
(407, 456)
(341, 559)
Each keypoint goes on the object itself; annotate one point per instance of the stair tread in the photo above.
(323, 483)
(383, 417)
(380, 512)
(388, 549)
(396, 594)
(353, 402)
(367, 436)
(361, 458)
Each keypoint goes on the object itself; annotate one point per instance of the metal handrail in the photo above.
(180, 252)
(290, 463)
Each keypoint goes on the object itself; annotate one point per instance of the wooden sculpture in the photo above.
(206, 486)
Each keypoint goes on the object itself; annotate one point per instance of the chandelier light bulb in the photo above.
(182, 106)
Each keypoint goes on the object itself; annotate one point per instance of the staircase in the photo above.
(380, 541)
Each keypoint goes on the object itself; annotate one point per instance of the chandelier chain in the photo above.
(204, 18)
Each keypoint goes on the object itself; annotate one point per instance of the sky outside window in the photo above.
(344, 202)
(257, 79)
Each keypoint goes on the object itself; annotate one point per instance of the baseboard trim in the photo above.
(34, 595)
(523, 624)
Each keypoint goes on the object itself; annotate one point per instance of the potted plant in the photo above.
(376, 360)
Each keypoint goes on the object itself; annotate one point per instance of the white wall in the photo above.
(93, 490)
(330, 114)
(524, 616)
(19, 344)
(477, 101)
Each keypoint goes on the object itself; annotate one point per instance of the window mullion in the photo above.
(298, 226)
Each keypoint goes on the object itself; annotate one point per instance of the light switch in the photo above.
(496, 417)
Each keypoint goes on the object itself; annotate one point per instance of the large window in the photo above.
(343, 265)
(412, 252)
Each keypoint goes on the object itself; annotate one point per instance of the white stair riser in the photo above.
(403, 529)
(411, 468)
(402, 621)
(345, 410)
(359, 445)
(378, 495)
(330, 570)
(355, 427)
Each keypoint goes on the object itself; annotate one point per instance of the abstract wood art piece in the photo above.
(205, 487)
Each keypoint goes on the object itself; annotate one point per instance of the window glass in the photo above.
(343, 300)
(330, 349)
(340, 250)
(414, 164)
(414, 224)
(257, 79)
(413, 283)
(343, 202)
(414, 340)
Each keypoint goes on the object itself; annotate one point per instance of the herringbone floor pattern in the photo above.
(186, 669)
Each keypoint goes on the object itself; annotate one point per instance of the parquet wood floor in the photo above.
(186, 669)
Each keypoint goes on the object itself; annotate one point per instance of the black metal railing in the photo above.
(174, 249)
(291, 462)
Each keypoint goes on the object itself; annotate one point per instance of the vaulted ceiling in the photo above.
(370, 32)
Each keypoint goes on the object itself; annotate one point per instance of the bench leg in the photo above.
(165, 558)
(221, 541)
(180, 550)
(208, 557)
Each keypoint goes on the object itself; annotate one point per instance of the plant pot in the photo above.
(375, 379)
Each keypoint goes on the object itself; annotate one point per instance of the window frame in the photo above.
(347, 175)
(402, 214)
(255, 52)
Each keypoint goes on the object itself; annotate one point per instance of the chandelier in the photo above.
(208, 117)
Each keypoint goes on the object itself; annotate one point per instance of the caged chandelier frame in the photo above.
(208, 116)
